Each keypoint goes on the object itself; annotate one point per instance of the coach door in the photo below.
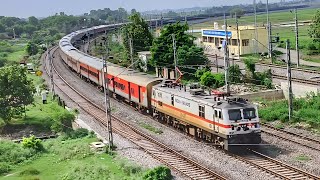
(217, 116)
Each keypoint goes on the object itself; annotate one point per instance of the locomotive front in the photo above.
(244, 122)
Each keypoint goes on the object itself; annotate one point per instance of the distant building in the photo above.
(144, 56)
(213, 39)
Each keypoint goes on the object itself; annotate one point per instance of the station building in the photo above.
(213, 39)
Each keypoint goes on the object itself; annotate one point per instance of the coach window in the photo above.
(201, 111)
(220, 115)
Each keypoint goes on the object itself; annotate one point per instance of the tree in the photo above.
(29, 29)
(162, 48)
(240, 12)
(133, 11)
(250, 69)
(235, 74)
(2, 28)
(33, 21)
(32, 48)
(212, 80)
(16, 91)
(139, 32)
(191, 56)
(314, 30)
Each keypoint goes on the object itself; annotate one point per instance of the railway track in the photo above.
(292, 137)
(156, 149)
(298, 80)
(272, 166)
(274, 65)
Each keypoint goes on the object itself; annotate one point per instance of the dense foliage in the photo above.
(13, 153)
(305, 110)
(138, 31)
(313, 48)
(159, 173)
(32, 142)
(187, 53)
(16, 91)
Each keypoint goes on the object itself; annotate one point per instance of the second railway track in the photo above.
(292, 137)
(168, 156)
(272, 166)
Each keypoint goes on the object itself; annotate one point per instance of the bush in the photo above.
(78, 133)
(159, 173)
(62, 122)
(29, 172)
(4, 167)
(32, 143)
(13, 153)
(88, 172)
(313, 48)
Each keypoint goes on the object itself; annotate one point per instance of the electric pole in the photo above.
(226, 56)
(51, 72)
(255, 27)
(297, 36)
(289, 79)
(174, 56)
(238, 38)
(107, 96)
(131, 49)
(269, 33)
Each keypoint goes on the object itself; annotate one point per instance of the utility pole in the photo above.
(131, 49)
(238, 39)
(289, 79)
(255, 27)
(51, 72)
(174, 56)
(217, 64)
(107, 96)
(226, 56)
(269, 33)
(297, 36)
(14, 33)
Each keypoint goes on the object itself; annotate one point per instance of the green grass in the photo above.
(275, 18)
(150, 128)
(303, 158)
(39, 117)
(12, 51)
(73, 159)
(305, 110)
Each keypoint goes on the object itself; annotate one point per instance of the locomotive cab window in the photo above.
(215, 113)
(201, 111)
(249, 113)
(234, 114)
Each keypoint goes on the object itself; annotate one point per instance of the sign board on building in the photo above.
(216, 33)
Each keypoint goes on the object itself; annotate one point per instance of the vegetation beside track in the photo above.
(70, 158)
(306, 112)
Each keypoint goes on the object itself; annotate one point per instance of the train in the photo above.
(216, 118)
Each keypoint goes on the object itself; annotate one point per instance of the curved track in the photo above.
(156, 149)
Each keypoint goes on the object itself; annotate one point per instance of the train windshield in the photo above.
(249, 113)
(234, 114)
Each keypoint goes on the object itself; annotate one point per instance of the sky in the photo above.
(43, 8)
